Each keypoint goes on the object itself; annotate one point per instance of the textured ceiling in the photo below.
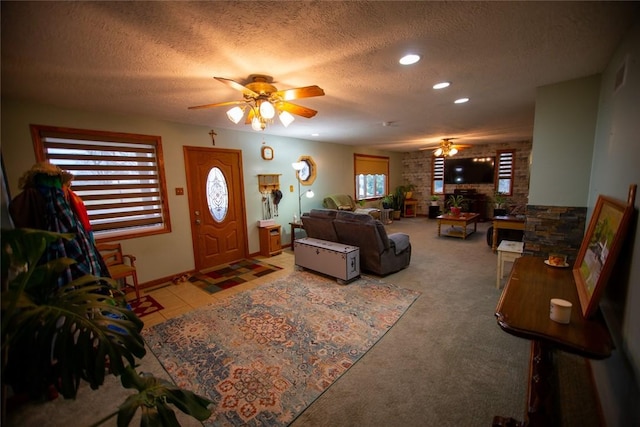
(157, 58)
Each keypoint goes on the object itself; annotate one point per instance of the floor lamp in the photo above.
(298, 167)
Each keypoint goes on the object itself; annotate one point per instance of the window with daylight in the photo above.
(437, 176)
(371, 176)
(120, 177)
(505, 171)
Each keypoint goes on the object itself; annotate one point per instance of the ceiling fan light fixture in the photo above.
(256, 124)
(266, 110)
(438, 152)
(286, 118)
(409, 59)
(235, 114)
(453, 152)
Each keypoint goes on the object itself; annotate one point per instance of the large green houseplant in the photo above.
(399, 196)
(60, 335)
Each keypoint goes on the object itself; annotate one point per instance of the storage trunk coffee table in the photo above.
(459, 224)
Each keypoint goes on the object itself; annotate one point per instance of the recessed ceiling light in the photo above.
(461, 100)
(409, 59)
(441, 85)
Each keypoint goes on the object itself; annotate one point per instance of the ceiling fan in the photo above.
(447, 148)
(264, 101)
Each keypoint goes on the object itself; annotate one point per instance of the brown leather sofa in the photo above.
(380, 253)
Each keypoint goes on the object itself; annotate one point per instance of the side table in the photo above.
(294, 226)
(410, 207)
(385, 216)
(508, 251)
(508, 222)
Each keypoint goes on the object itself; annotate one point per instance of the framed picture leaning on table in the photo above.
(600, 247)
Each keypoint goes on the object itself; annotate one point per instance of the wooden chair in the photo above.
(120, 265)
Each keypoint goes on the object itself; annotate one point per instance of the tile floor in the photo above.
(180, 298)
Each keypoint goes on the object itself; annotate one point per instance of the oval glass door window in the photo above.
(217, 194)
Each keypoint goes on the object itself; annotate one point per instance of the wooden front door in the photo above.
(216, 203)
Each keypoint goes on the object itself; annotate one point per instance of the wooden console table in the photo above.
(523, 311)
(509, 222)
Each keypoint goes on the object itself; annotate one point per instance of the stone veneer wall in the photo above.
(554, 229)
(418, 168)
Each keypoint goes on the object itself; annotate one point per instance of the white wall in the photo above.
(565, 120)
(616, 165)
(166, 255)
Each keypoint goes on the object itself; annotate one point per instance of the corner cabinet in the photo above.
(270, 240)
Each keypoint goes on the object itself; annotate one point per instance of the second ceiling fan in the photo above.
(264, 101)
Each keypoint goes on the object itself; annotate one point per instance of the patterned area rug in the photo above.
(264, 355)
(145, 305)
(232, 274)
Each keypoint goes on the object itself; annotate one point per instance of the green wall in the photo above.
(166, 255)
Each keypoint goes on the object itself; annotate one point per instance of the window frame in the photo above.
(437, 174)
(505, 169)
(368, 168)
(127, 143)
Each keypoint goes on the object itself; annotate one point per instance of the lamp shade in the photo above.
(438, 152)
(235, 114)
(309, 194)
(297, 165)
(453, 151)
(266, 110)
(256, 124)
(286, 118)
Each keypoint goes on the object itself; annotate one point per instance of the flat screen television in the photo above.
(474, 170)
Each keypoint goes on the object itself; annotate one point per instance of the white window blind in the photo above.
(119, 177)
(437, 182)
(505, 171)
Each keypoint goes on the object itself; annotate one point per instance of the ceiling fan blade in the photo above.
(237, 86)
(296, 109)
(219, 104)
(300, 92)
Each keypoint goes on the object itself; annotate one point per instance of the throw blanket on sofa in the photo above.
(342, 202)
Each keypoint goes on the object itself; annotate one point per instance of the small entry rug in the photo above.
(229, 275)
(265, 354)
(145, 305)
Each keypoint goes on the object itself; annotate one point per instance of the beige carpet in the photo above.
(445, 363)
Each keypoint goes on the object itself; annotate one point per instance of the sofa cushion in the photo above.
(318, 224)
(353, 216)
(401, 242)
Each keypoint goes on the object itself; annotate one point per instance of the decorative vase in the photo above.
(455, 211)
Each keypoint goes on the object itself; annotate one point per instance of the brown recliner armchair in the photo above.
(380, 253)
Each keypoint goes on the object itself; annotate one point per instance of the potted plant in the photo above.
(456, 202)
(84, 326)
(499, 199)
(396, 205)
(387, 201)
(434, 200)
(401, 193)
